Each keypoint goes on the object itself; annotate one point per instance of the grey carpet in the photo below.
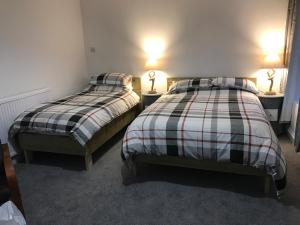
(57, 191)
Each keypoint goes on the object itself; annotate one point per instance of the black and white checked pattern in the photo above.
(116, 79)
(190, 85)
(107, 88)
(237, 83)
(225, 125)
(79, 116)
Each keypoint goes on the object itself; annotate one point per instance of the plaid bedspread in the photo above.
(225, 125)
(79, 116)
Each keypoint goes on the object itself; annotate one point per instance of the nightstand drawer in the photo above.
(272, 114)
(272, 105)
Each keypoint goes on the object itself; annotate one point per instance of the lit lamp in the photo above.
(153, 49)
(151, 65)
(272, 62)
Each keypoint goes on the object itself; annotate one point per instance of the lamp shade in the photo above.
(152, 64)
(272, 61)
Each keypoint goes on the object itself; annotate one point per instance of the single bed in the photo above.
(81, 123)
(210, 124)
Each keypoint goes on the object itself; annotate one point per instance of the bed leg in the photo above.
(267, 187)
(129, 171)
(88, 161)
(28, 156)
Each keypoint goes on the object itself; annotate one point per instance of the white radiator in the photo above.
(11, 107)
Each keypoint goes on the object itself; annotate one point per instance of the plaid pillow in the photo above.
(190, 85)
(116, 79)
(237, 83)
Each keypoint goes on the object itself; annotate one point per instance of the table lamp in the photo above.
(272, 62)
(151, 65)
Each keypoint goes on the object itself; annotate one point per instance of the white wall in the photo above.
(203, 37)
(41, 45)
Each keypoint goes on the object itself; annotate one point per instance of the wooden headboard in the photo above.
(136, 85)
(170, 80)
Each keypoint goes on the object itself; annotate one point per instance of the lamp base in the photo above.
(152, 92)
(270, 93)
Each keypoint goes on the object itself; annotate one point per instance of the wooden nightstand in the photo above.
(273, 105)
(148, 99)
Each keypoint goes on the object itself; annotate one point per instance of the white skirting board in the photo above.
(11, 107)
(292, 127)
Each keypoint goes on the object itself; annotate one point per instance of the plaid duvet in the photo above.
(79, 116)
(225, 125)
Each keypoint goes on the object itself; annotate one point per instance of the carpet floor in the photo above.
(57, 191)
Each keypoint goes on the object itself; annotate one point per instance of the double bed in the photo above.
(212, 124)
(81, 123)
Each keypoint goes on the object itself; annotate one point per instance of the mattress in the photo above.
(219, 124)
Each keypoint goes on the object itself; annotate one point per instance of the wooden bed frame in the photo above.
(34, 142)
(130, 167)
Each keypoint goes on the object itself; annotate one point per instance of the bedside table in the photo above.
(272, 105)
(148, 99)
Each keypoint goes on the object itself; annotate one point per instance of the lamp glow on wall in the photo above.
(272, 42)
(154, 48)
